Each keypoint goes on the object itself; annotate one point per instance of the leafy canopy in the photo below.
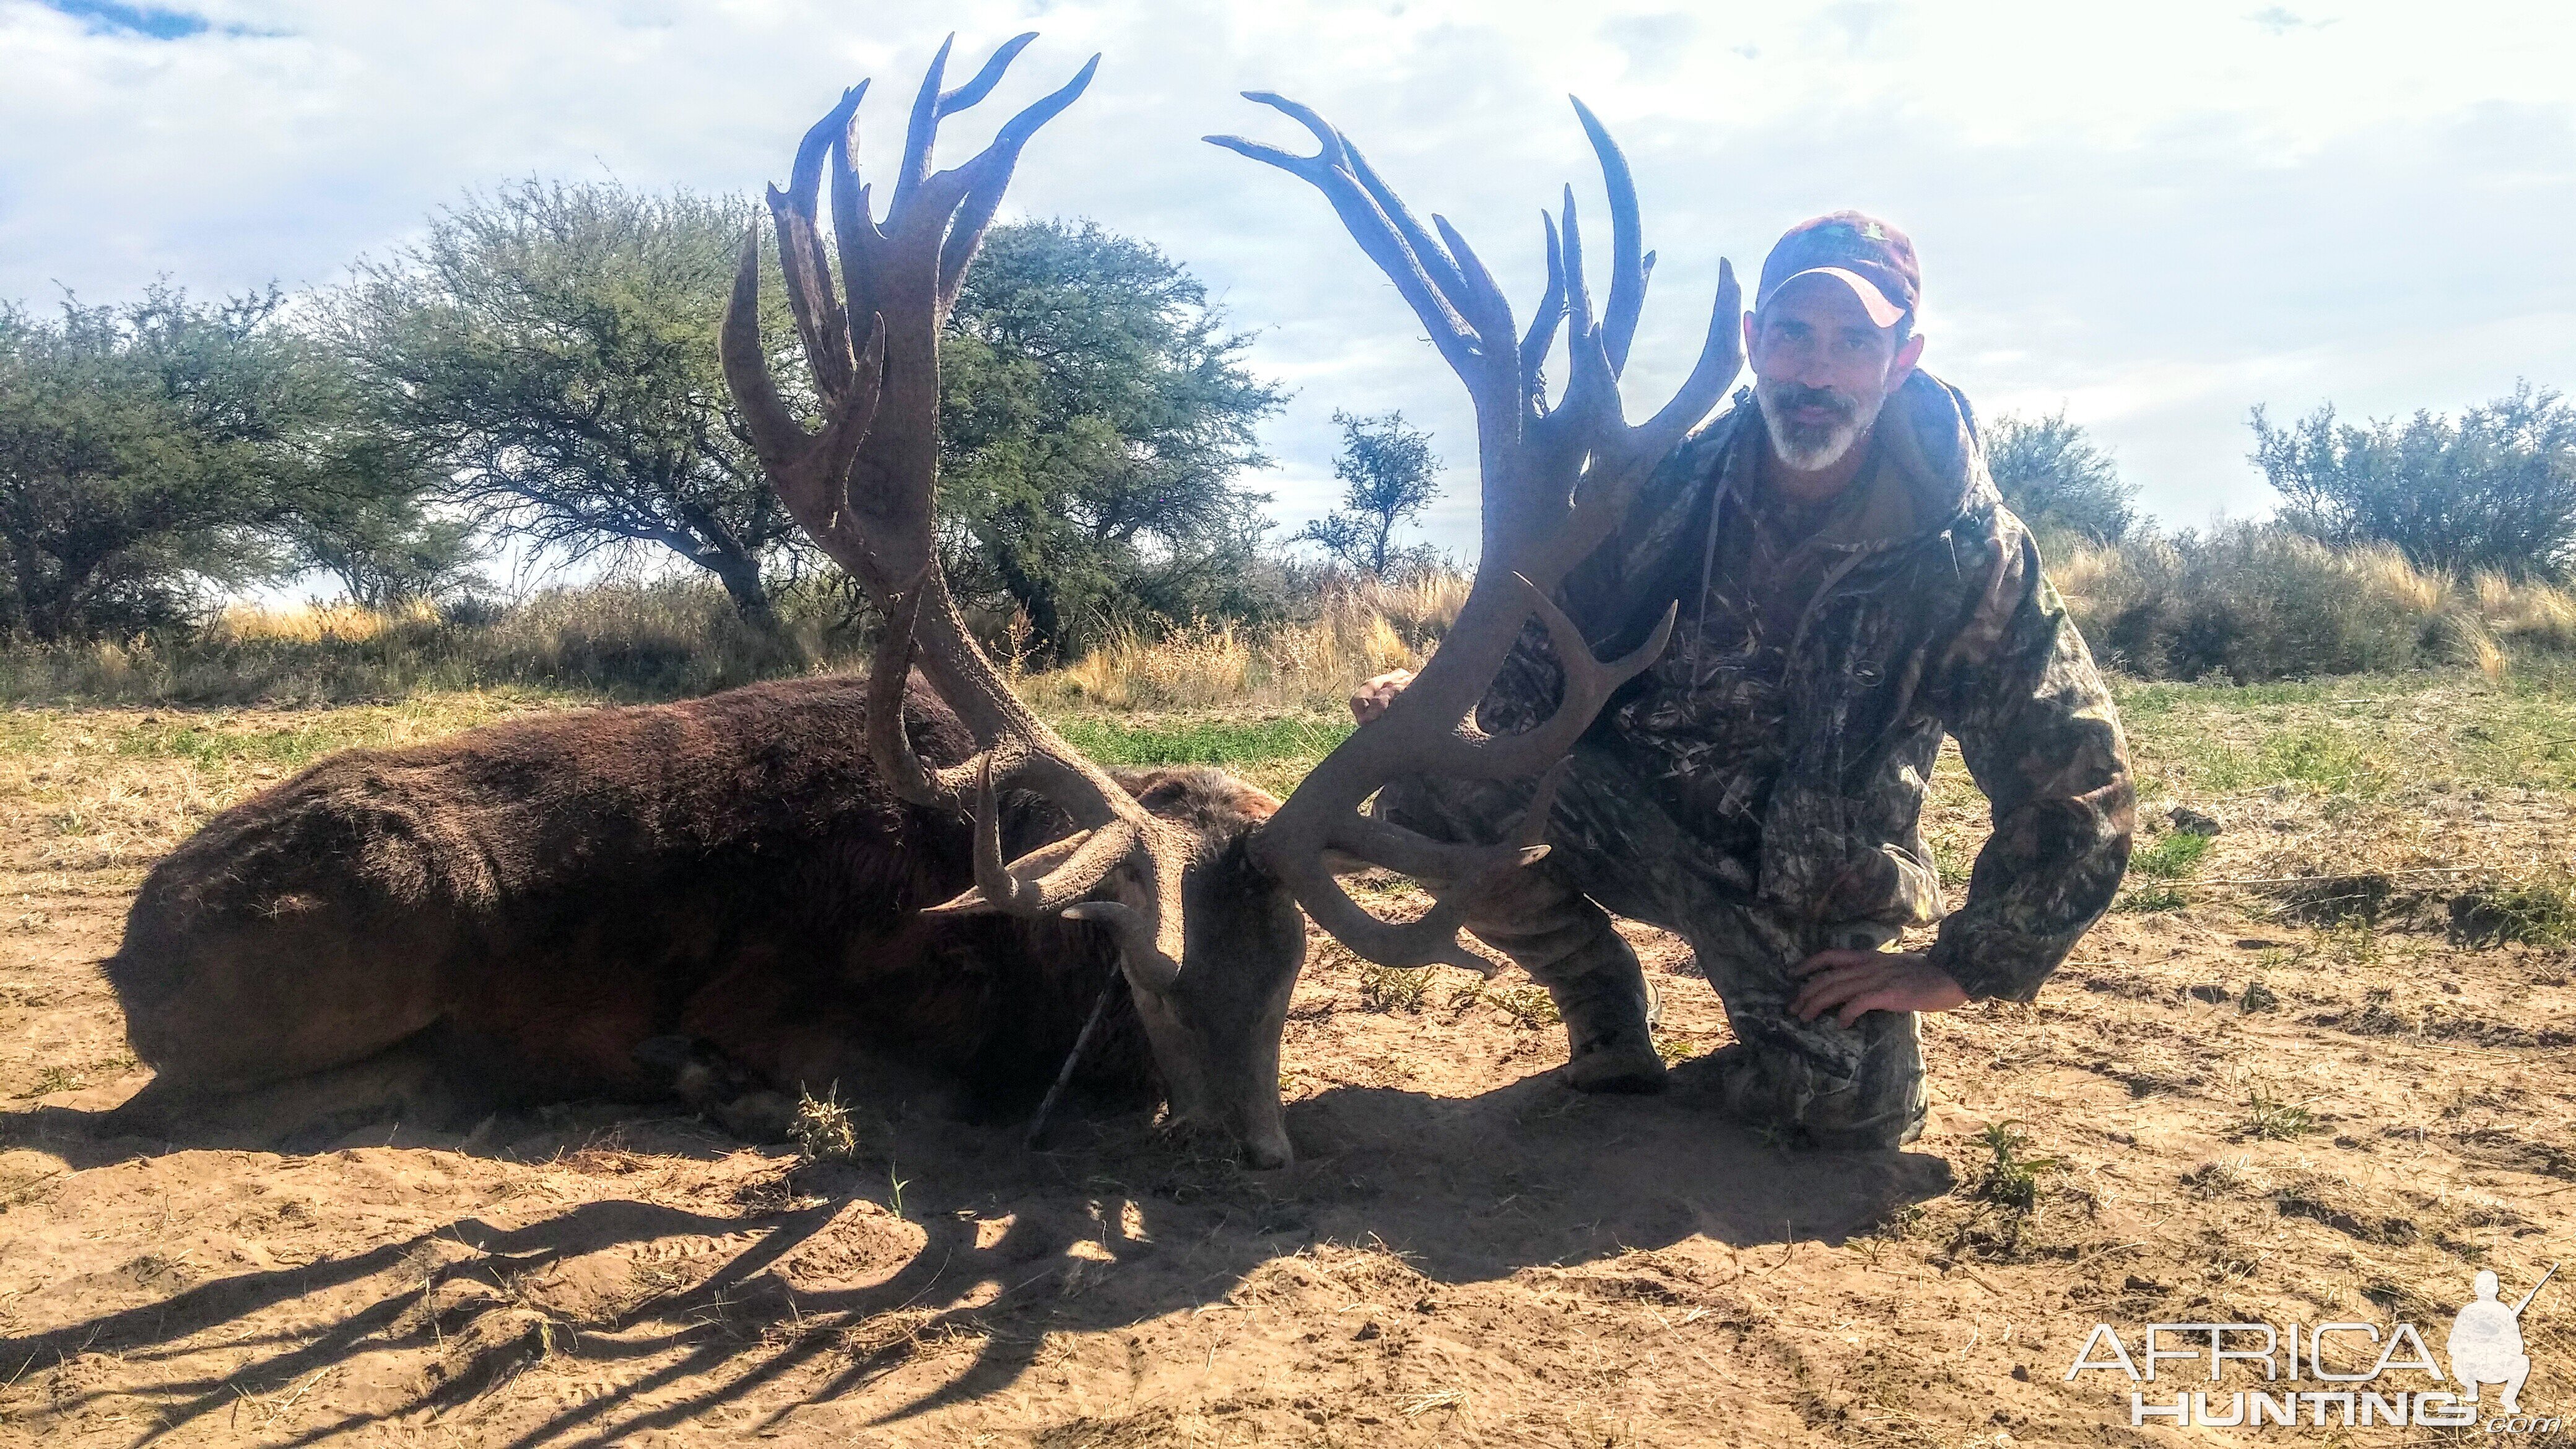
(2495, 490)
(2055, 479)
(1391, 474)
(1096, 420)
(151, 449)
(553, 348)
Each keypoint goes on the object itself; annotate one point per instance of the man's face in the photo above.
(1821, 369)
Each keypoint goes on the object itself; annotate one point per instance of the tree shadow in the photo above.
(1465, 1190)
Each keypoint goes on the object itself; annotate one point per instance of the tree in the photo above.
(145, 449)
(2494, 490)
(1096, 419)
(1389, 469)
(2057, 480)
(551, 348)
(367, 525)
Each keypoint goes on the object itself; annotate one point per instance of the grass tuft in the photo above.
(824, 1129)
(1389, 988)
(2174, 855)
(2272, 1119)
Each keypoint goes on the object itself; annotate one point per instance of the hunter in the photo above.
(1851, 588)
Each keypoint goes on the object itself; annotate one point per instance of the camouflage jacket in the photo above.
(1793, 722)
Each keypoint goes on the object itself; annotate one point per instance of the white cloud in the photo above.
(2156, 217)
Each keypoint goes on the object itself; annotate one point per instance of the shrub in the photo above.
(2252, 601)
(2494, 490)
(2054, 479)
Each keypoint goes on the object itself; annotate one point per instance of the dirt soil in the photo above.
(1464, 1253)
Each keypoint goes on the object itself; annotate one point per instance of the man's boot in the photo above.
(1567, 944)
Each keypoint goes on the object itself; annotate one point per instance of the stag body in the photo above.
(506, 916)
(1197, 880)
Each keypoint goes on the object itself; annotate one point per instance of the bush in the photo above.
(2252, 601)
(2054, 479)
(2495, 490)
(628, 641)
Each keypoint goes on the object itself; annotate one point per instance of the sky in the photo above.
(2154, 217)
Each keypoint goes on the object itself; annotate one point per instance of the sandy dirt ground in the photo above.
(1464, 1253)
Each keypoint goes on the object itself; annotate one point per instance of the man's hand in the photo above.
(1371, 699)
(1852, 983)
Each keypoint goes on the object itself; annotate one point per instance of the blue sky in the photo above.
(2153, 216)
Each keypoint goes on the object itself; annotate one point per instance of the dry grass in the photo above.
(658, 641)
(2253, 603)
(1358, 630)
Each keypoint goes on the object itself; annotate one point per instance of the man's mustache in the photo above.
(1798, 395)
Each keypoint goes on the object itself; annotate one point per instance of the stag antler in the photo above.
(864, 486)
(1556, 483)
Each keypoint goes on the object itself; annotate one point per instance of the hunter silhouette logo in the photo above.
(2486, 1341)
(2354, 1388)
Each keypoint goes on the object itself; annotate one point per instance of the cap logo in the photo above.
(1874, 232)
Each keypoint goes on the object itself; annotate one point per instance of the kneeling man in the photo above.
(1851, 589)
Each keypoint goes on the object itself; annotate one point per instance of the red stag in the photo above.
(762, 872)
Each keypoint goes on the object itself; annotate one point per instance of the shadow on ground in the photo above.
(839, 1273)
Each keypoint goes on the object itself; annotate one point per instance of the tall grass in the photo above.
(657, 641)
(2255, 602)
(2245, 602)
(1358, 628)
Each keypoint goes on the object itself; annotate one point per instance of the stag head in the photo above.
(1200, 880)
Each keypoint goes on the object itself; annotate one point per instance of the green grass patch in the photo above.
(1211, 741)
(218, 739)
(2173, 856)
(2321, 756)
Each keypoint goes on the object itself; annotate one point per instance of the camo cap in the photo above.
(1862, 252)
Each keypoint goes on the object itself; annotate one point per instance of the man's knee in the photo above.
(1845, 1088)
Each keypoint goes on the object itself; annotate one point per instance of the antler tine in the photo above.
(990, 173)
(824, 327)
(1627, 267)
(1721, 357)
(1471, 754)
(923, 128)
(1462, 873)
(1485, 305)
(987, 78)
(1542, 329)
(807, 467)
(1377, 234)
(854, 228)
(1437, 264)
(1578, 288)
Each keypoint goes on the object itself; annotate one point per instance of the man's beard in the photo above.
(1810, 446)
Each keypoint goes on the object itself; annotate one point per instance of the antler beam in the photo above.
(1556, 481)
(865, 484)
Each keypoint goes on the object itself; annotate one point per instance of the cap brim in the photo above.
(1882, 312)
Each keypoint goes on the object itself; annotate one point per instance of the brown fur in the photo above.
(523, 905)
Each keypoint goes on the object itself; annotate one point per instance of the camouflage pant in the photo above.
(1615, 849)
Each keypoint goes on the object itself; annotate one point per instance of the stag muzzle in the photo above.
(1215, 1024)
